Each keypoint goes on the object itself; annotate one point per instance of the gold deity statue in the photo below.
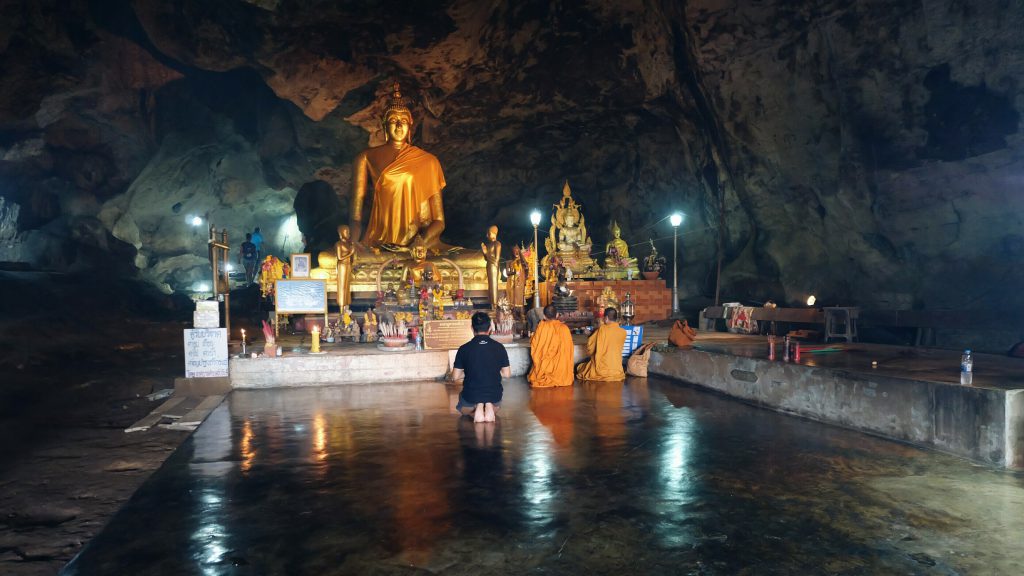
(492, 254)
(407, 184)
(617, 261)
(568, 238)
(421, 271)
(345, 252)
(515, 283)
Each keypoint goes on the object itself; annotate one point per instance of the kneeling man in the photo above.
(551, 352)
(605, 349)
(481, 363)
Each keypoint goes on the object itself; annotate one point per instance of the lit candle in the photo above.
(243, 336)
(316, 339)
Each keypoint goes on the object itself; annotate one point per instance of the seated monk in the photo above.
(605, 349)
(551, 352)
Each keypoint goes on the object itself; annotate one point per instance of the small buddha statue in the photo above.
(391, 295)
(421, 270)
(617, 262)
(515, 285)
(370, 324)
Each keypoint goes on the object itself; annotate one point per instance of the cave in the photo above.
(822, 155)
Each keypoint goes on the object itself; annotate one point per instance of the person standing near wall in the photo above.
(247, 257)
(257, 239)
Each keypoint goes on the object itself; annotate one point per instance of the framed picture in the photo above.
(300, 266)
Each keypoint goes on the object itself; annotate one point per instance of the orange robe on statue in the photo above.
(605, 349)
(551, 354)
(402, 196)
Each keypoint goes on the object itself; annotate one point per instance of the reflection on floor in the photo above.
(646, 477)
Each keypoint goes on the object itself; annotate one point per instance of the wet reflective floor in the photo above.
(647, 477)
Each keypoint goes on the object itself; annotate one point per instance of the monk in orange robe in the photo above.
(551, 352)
(605, 349)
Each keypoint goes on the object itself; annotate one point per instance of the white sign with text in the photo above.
(206, 352)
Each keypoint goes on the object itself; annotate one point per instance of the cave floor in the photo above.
(646, 477)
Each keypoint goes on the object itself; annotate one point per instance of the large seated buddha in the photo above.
(407, 184)
(405, 210)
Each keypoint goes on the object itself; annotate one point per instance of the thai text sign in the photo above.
(206, 352)
(300, 296)
(446, 334)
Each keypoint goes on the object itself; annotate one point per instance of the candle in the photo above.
(243, 336)
(316, 339)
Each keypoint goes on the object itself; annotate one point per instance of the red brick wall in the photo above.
(652, 300)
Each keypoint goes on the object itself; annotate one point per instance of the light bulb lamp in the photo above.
(535, 220)
(675, 219)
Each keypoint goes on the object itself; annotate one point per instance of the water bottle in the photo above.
(966, 368)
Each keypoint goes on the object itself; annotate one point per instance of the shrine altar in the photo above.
(652, 298)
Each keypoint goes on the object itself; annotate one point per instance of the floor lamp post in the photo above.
(675, 219)
(535, 220)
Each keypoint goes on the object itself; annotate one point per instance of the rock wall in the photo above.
(865, 151)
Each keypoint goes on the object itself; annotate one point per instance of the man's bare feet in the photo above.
(478, 415)
(489, 412)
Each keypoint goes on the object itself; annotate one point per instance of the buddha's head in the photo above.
(397, 120)
(615, 230)
(515, 250)
(344, 233)
(570, 219)
(419, 250)
(492, 233)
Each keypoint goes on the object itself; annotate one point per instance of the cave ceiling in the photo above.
(866, 151)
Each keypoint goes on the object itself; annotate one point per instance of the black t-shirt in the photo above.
(482, 359)
(248, 251)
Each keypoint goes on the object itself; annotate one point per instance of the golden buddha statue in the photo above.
(617, 262)
(421, 271)
(345, 253)
(516, 276)
(568, 238)
(492, 254)
(407, 183)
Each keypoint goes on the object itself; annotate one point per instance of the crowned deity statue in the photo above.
(407, 183)
(568, 238)
(617, 262)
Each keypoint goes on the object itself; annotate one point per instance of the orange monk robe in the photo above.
(551, 354)
(402, 195)
(605, 349)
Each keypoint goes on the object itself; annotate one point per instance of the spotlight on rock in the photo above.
(196, 221)
(811, 300)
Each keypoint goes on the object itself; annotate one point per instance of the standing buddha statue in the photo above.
(492, 254)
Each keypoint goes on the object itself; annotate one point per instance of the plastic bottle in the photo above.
(785, 350)
(796, 351)
(771, 347)
(966, 368)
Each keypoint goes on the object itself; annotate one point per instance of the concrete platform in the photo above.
(350, 363)
(913, 395)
